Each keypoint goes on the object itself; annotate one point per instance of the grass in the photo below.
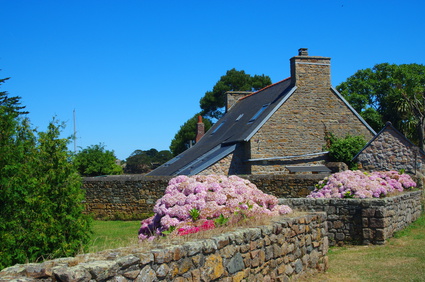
(402, 258)
(116, 234)
(113, 234)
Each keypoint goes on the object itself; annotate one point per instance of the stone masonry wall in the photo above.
(130, 196)
(363, 221)
(392, 151)
(287, 249)
(220, 168)
(126, 195)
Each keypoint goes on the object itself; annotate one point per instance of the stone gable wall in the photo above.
(389, 151)
(299, 127)
(363, 221)
(286, 249)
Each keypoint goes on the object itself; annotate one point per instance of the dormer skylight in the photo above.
(260, 111)
(218, 127)
(239, 117)
(173, 160)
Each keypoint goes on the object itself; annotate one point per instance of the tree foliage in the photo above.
(389, 92)
(214, 101)
(40, 191)
(95, 160)
(144, 161)
(187, 134)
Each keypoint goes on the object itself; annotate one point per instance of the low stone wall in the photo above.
(286, 186)
(132, 195)
(286, 249)
(124, 195)
(363, 221)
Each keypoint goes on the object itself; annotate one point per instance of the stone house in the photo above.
(275, 129)
(391, 150)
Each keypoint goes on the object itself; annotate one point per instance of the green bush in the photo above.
(40, 192)
(95, 161)
(344, 149)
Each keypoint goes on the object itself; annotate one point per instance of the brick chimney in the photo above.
(200, 129)
(310, 70)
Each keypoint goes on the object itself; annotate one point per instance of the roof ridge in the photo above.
(264, 88)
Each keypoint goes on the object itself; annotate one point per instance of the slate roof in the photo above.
(239, 124)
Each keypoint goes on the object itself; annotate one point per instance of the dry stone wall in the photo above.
(286, 249)
(390, 150)
(363, 221)
(132, 196)
(124, 195)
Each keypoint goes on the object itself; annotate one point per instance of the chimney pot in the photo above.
(303, 52)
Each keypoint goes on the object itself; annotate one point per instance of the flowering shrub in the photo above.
(190, 205)
(357, 184)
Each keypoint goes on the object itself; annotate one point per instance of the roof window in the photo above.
(173, 160)
(239, 117)
(260, 111)
(218, 127)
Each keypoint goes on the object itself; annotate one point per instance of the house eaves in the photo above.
(288, 157)
(353, 110)
(206, 160)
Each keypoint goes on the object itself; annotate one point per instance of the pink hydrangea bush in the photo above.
(213, 196)
(358, 184)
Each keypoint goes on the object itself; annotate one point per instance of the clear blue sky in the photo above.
(134, 71)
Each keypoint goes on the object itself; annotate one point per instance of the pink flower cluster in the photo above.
(207, 225)
(358, 184)
(212, 196)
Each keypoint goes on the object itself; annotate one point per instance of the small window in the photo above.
(218, 127)
(260, 111)
(239, 117)
(173, 160)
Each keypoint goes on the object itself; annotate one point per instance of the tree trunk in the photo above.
(421, 131)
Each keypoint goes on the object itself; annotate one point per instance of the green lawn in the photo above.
(402, 258)
(113, 234)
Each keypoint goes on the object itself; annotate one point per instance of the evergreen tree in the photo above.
(41, 209)
(213, 102)
(187, 134)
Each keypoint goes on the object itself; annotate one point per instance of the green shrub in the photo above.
(95, 160)
(344, 149)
